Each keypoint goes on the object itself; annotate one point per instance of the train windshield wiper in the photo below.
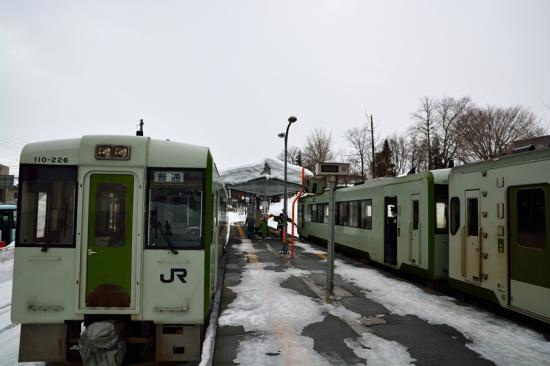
(166, 238)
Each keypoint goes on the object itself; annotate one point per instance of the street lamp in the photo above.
(291, 120)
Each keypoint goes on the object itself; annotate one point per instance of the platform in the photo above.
(273, 312)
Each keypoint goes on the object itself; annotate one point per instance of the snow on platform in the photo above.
(278, 304)
(256, 170)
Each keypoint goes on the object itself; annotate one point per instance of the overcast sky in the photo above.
(228, 74)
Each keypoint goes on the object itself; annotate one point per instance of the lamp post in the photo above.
(291, 120)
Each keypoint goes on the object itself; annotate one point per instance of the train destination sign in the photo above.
(169, 176)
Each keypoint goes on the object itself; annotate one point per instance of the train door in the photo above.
(109, 248)
(472, 241)
(414, 247)
(390, 230)
(529, 254)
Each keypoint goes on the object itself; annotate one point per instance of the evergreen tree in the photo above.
(384, 166)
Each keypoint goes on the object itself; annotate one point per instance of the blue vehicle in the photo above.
(7, 223)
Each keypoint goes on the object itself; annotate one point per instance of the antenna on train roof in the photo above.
(140, 131)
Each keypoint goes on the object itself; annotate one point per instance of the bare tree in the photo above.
(318, 148)
(417, 153)
(448, 113)
(425, 127)
(400, 152)
(291, 155)
(359, 139)
(487, 132)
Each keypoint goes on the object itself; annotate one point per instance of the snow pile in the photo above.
(234, 217)
(487, 332)
(248, 172)
(210, 336)
(275, 318)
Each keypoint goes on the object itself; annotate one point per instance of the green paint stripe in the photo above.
(207, 227)
(111, 265)
(431, 225)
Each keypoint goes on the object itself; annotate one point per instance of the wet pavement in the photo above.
(352, 329)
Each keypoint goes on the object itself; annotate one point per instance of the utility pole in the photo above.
(372, 145)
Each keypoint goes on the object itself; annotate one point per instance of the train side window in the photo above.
(48, 205)
(308, 213)
(326, 211)
(343, 213)
(354, 214)
(416, 214)
(441, 214)
(473, 217)
(455, 214)
(317, 213)
(531, 218)
(176, 208)
(366, 214)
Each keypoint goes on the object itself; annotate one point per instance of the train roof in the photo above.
(502, 161)
(144, 151)
(440, 176)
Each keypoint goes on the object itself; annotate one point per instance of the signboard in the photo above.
(6, 181)
(332, 169)
(169, 176)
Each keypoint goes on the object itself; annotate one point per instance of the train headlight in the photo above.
(121, 152)
(112, 152)
(103, 152)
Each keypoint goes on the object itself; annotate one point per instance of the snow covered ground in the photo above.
(276, 317)
(274, 334)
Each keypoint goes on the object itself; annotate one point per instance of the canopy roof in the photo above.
(264, 177)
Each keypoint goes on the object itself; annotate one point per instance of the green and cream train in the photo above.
(484, 227)
(123, 228)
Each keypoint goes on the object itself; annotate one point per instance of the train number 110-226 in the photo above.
(53, 160)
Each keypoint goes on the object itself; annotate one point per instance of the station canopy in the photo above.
(264, 178)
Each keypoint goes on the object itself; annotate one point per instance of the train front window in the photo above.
(47, 214)
(531, 218)
(175, 209)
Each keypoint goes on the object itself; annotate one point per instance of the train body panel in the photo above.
(365, 222)
(44, 284)
(499, 242)
(117, 227)
(173, 302)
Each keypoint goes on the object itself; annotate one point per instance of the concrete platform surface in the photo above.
(274, 312)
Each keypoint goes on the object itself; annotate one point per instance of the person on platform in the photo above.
(263, 228)
(250, 225)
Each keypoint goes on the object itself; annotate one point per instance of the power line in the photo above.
(3, 144)
(12, 140)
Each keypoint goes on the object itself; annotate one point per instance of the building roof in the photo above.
(264, 177)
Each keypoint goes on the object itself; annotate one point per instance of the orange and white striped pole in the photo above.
(293, 221)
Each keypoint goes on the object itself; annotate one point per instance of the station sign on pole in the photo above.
(331, 171)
